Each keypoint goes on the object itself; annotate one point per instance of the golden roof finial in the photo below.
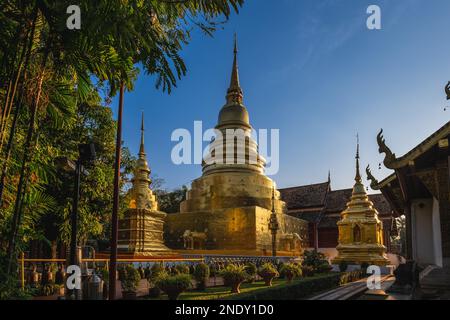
(235, 94)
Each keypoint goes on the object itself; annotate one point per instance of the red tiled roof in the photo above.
(305, 196)
(318, 196)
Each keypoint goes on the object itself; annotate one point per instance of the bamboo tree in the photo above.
(25, 160)
(18, 108)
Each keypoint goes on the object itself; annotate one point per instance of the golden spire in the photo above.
(235, 94)
(141, 148)
(141, 197)
(358, 174)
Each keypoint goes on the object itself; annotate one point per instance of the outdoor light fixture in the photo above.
(86, 154)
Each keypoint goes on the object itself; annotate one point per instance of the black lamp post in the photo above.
(86, 154)
(273, 225)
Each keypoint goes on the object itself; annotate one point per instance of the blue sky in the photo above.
(312, 69)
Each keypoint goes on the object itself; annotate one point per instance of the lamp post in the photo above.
(273, 225)
(86, 154)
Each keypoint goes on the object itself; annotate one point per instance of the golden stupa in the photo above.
(141, 228)
(228, 209)
(360, 230)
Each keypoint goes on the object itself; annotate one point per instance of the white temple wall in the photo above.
(426, 232)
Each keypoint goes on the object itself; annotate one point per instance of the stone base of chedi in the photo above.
(234, 231)
(228, 209)
(141, 233)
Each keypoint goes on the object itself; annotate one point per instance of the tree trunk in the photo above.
(114, 223)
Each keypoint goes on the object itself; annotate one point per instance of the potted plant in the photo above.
(155, 271)
(234, 276)
(268, 272)
(182, 269)
(291, 271)
(201, 275)
(252, 271)
(174, 285)
(130, 283)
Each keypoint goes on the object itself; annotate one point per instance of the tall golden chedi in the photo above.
(360, 230)
(227, 210)
(141, 229)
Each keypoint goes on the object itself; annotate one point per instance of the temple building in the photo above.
(419, 189)
(360, 230)
(228, 209)
(321, 206)
(141, 228)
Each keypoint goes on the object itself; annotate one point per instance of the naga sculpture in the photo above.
(371, 178)
(383, 148)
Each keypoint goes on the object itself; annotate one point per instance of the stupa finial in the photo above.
(235, 94)
(141, 148)
(358, 174)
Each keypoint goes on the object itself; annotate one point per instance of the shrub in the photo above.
(298, 290)
(307, 271)
(268, 272)
(295, 290)
(182, 269)
(131, 279)
(9, 290)
(173, 286)
(324, 268)
(291, 271)
(252, 271)
(155, 271)
(343, 266)
(314, 259)
(201, 275)
(233, 276)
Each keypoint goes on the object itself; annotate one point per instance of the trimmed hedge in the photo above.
(301, 289)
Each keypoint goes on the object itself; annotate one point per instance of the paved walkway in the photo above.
(348, 291)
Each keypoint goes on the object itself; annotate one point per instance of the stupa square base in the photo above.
(359, 254)
(239, 230)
